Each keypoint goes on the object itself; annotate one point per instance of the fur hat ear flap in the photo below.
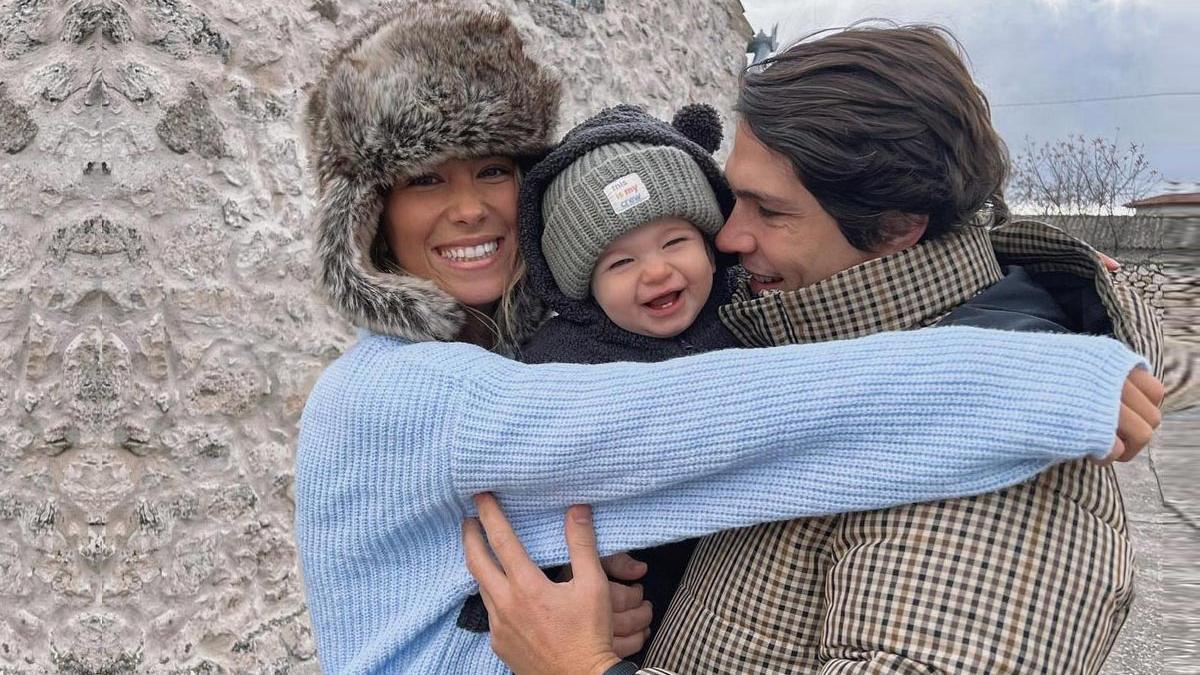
(701, 123)
(395, 304)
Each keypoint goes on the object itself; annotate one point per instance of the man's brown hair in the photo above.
(880, 122)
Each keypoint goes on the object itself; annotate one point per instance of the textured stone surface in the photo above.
(160, 331)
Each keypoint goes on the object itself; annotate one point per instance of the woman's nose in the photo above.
(467, 207)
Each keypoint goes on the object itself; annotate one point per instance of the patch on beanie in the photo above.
(626, 192)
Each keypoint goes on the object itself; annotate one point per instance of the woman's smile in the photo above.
(471, 256)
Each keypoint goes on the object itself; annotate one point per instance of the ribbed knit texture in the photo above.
(397, 436)
(581, 221)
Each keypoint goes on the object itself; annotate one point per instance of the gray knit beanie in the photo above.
(612, 190)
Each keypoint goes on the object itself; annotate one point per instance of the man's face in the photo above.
(782, 236)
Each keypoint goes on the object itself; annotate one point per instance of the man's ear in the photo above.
(903, 230)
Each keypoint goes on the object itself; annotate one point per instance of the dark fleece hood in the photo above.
(581, 332)
(419, 84)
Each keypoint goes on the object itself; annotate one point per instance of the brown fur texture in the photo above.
(419, 84)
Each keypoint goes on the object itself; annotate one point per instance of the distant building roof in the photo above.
(1171, 198)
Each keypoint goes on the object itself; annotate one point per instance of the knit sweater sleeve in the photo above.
(727, 439)
(396, 437)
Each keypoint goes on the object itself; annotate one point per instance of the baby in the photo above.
(616, 228)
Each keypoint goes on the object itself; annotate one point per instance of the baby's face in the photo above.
(654, 280)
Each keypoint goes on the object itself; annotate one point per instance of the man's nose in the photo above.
(735, 237)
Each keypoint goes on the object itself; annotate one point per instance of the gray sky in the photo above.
(1025, 51)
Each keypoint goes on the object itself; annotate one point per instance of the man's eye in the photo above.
(767, 213)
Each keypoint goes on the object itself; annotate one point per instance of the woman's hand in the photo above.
(540, 627)
(1141, 399)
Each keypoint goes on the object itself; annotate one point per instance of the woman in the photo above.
(418, 129)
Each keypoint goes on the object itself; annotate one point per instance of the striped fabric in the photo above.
(1036, 578)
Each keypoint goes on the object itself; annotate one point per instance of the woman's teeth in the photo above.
(465, 253)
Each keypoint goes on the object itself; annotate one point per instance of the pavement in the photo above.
(1162, 500)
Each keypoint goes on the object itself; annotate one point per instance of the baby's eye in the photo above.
(616, 264)
(424, 180)
(675, 241)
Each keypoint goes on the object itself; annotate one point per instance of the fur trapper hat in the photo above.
(420, 84)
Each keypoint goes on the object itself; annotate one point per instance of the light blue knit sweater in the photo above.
(397, 436)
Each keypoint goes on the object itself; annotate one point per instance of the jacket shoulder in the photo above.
(1044, 251)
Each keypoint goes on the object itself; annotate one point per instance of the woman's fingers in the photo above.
(632, 621)
(1135, 431)
(581, 545)
(480, 563)
(1117, 450)
(1141, 398)
(504, 542)
(1148, 385)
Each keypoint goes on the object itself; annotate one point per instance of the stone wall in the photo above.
(1161, 257)
(1172, 283)
(160, 333)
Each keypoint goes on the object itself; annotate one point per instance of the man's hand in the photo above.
(631, 613)
(1141, 399)
(540, 627)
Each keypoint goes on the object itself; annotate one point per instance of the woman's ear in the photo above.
(903, 230)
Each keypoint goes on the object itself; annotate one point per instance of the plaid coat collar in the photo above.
(912, 288)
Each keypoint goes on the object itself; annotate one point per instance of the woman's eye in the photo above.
(425, 179)
(767, 213)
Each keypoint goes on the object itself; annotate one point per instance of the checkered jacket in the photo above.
(1033, 579)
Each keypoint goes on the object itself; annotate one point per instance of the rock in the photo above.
(191, 126)
(139, 82)
(97, 643)
(96, 371)
(54, 82)
(226, 385)
(15, 255)
(20, 22)
(84, 18)
(186, 31)
(196, 250)
(17, 129)
(97, 236)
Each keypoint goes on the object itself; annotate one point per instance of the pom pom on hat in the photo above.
(701, 123)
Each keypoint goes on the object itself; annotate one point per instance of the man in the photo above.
(863, 163)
